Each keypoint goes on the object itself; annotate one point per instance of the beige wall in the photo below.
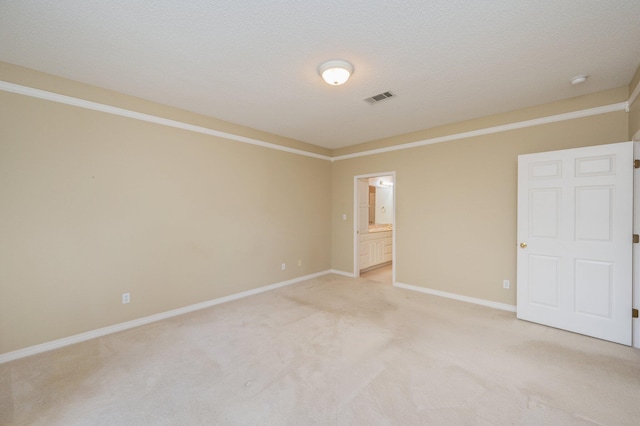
(93, 205)
(456, 201)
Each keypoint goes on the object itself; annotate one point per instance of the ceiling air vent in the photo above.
(378, 98)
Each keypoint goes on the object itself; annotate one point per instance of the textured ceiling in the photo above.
(255, 63)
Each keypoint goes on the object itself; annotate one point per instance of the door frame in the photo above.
(635, 292)
(356, 218)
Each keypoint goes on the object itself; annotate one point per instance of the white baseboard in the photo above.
(66, 341)
(345, 274)
(483, 302)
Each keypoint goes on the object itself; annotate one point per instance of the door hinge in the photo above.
(636, 164)
(634, 313)
(636, 238)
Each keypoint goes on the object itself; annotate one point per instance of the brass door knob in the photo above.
(523, 245)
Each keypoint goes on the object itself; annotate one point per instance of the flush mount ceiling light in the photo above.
(335, 72)
(579, 79)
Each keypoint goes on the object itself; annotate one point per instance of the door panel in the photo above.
(594, 285)
(543, 280)
(575, 211)
(544, 212)
(594, 213)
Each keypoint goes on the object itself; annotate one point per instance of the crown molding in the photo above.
(96, 106)
(634, 95)
(621, 106)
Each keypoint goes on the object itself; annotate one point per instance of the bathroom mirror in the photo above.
(381, 200)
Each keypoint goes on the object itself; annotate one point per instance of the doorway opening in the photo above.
(382, 274)
(374, 226)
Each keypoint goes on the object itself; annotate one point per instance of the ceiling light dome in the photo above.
(578, 79)
(335, 72)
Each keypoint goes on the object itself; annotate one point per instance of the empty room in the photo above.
(319, 213)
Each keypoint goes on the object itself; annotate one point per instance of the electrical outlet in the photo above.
(505, 284)
(344, 216)
(284, 266)
(299, 262)
(126, 298)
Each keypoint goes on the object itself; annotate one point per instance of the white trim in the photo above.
(634, 95)
(621, 106)
(95, 106)
(343, 273)
(483, 302)
(356, 213)
(356, 231)
(59, 343)
(635, 251)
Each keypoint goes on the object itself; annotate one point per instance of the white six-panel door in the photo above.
(575, 213)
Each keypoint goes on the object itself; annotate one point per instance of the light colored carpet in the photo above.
(329, 351)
